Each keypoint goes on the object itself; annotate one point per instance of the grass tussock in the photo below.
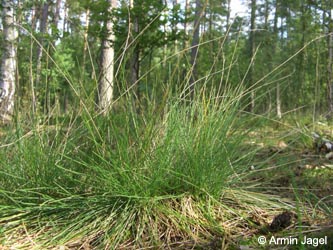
(136, 180)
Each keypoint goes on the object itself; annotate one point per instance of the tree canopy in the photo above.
(279, 50)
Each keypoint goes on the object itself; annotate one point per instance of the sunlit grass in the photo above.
(128, 179)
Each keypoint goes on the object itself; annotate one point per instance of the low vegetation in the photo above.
(205, 175)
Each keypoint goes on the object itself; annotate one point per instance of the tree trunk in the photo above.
(195, 47)
(135, 67)
(269, 55)
(301, 65)
(187, 9)
(43, 30)
(135, 57)
(34, 18)
(8, 62)
(85, 42)
(278, 94)
(275, 39)
(252, 51)
(57, 12)
(184, 70)
(266, 15)
(65, 16)
(177, 73)
(228, 17)
(105, 88)
(330, 63)
(175, 31)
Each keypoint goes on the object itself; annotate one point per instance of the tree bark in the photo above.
(85, 42)
(42, 30)
(8, 63)
(183, 75)
(195, 47)
(269, 54)
(65, 16)
(330, 62)
(276, 36)
(57, 12)
(252, 51)
(135, 58)
(34, 18)
(105, 88)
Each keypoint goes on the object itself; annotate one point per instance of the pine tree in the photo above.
(106, 82)
(9, 61)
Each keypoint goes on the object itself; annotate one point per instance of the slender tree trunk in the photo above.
(278, 101)
(187, 9)
(65, 24)
(34, 17)
(275, 38)
(210, 31)
(269, 55)
(85, 42)
(177, 73)
(65, 29)
(43, 30)
(8, 62)
(135, 58)
(56, 18)
(165, 47)
(49, 9)
(175, 30)
(57, 12)
(252, 51)
(184, 55)
(105, 88)
(135, 72)
(195, 46)
(330, 63)
(228, 15)
(186, 43)
(266, 15)
(278, 94)
(302, 57)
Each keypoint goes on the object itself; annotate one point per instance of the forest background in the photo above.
(174, 44)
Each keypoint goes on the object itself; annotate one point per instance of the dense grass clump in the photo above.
(133, 179)
(115, 177)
